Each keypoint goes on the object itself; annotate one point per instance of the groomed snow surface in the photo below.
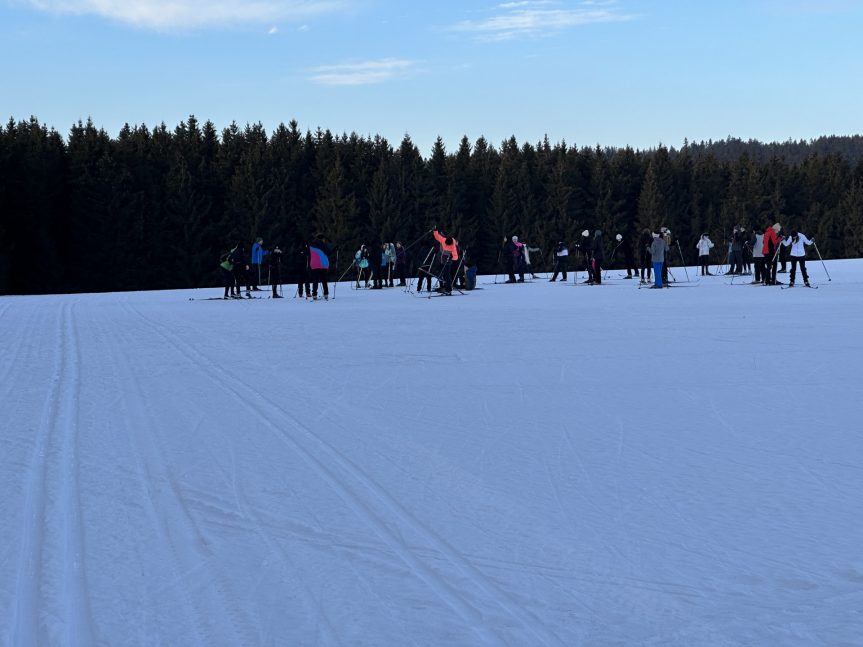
(537, 464)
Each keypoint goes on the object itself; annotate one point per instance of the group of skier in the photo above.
(764, 252)
(379, 265)
(311, 263)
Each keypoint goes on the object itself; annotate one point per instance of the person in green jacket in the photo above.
(227, 270)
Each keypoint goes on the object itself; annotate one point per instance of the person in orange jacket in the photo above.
(449, 256)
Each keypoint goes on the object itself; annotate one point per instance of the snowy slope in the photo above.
(536, 464)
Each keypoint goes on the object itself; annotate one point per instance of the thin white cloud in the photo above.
(273, 30)
(184, 14)
(534, 19)
(365, 73)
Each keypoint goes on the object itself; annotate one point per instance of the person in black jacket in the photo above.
(597, 257)
(401, 263)
(241, 269)
(561, 258)
(628, 257)
(273, 261)
(300, 262)
(644, 243)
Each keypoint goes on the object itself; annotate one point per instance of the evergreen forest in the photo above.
(156, 208)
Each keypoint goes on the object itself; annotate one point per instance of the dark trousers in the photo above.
(646, 265)
(631, 268)
(770, 270)
(254, 275)
(704, 262)
(560, 267)
(424, 275)
(320, 276)
(759, 269)
(400, 273)
(783, 256)
(303, 282)
(241, 276)
(802, 261)
(227, 281)
(446, 276)
(275, 278)
(736, 262)
(596, 271)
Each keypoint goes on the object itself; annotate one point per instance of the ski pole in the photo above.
(336, 284)
(418, 239)
(611, 262)
(822, 261)
(682, 259)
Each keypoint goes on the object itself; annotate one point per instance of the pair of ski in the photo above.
(786, 287)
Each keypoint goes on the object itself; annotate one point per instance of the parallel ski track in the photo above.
(54, 454)
(374, 510)
(185, 541)
(11, 367)
(247, 512)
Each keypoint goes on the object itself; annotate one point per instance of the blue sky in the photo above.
(613, 72)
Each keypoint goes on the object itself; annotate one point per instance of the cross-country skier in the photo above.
(241, 270)
(658, 250)
(704, 245)
(449, 259)
(300, 263)
(226, 269)
(561, 257)
(361, 260)
(526, 251)
(390, 258)
(644, 243)
(798, 242)
(597, 257)
(319, 266)
(756, 242)
(512, 250)
(401, 263)
(628, 257)
(770, 247)
(258, 254)
(586, 255)
(273, 261)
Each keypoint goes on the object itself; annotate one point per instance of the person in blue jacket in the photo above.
(258, 254)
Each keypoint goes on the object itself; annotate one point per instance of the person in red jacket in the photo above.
(771, 244)
(449, 256)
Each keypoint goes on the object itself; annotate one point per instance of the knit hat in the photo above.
(515, 239)
(777, 227)
(585, 233)
(619, 237)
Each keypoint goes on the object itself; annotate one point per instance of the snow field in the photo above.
(535, 464)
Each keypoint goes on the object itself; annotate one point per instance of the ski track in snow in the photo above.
(282, 473)
(54, 530)
(377, 509)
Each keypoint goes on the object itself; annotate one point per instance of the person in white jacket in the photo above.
(798, 242)
(704, 245)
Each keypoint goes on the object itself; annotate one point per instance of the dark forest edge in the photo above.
(155, 209)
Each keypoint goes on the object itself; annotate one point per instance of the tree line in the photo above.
(155, 208)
